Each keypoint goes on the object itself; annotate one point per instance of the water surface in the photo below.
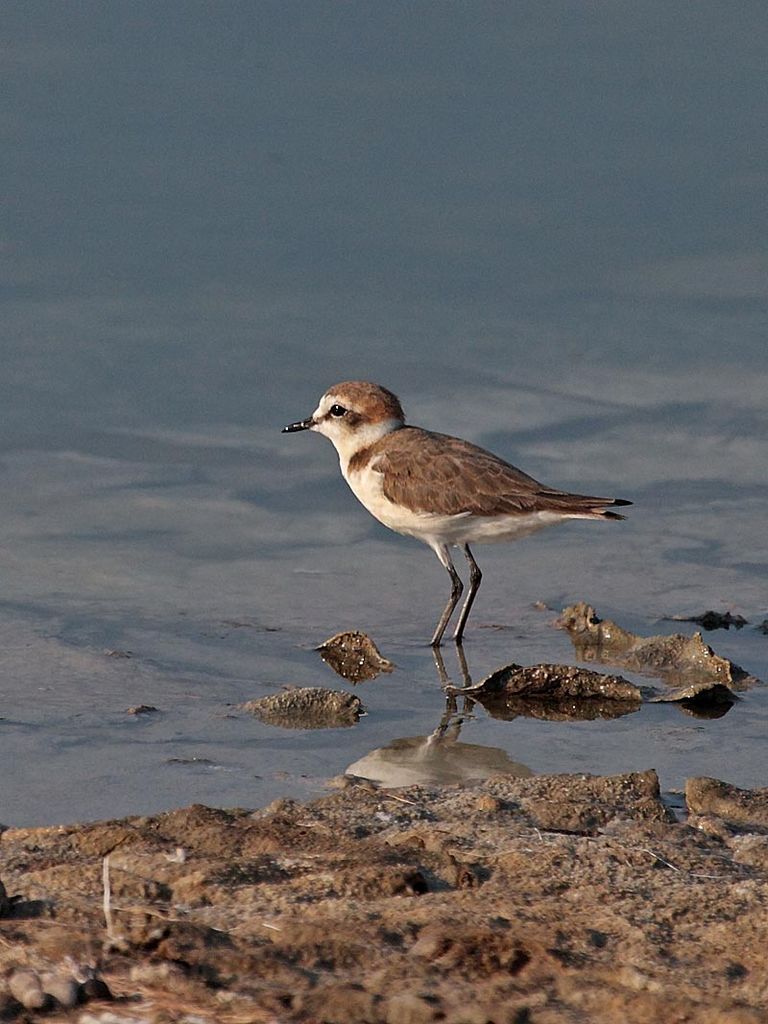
(543, 227)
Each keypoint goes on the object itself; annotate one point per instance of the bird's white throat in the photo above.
(348, 442)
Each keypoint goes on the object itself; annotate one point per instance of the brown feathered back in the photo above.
(429, 472)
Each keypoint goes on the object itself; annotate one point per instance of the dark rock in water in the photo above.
(745, 807)
(712, 620)
(698, 694)
(141, 709)
(308, 707)
(354, 656)
(554, 692)
(189, 760)
(678, 659)
(559, 681)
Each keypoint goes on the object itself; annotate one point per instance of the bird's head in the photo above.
(353, 415)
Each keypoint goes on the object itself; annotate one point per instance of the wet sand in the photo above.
(550, 899)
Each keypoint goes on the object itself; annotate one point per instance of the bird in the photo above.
(439, 489)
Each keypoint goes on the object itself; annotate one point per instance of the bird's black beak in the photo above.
(299, 425)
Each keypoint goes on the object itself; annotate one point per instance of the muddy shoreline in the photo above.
(511, 900)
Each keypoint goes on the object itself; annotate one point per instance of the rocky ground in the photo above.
(548, 899)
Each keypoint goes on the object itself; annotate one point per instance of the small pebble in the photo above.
(25, 987)
(157, 974)
(488, 803)
(179, 856)
(413, 1008)
(465, 877)
(95, 988)
(62, 988)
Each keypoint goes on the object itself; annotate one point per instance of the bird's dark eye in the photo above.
(338, 410)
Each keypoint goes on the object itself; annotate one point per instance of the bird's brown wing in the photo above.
(428, 472)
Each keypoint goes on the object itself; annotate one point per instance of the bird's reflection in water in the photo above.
(439, 757)
(466, 678)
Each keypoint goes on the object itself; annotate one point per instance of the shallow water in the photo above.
(218, 573)
(213, 219)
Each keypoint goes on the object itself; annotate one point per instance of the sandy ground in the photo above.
(546, 899)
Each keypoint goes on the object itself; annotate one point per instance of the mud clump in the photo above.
(747, 808)
(679, 660)
(307, 707)
(354, 656)
(555, 692)
(558, 898)
(710, 620)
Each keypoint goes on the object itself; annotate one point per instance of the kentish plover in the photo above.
(439, 489)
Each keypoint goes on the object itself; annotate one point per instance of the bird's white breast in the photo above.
(367, 485)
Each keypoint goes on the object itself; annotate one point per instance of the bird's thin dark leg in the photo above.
(475, 576)
(456, 588)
